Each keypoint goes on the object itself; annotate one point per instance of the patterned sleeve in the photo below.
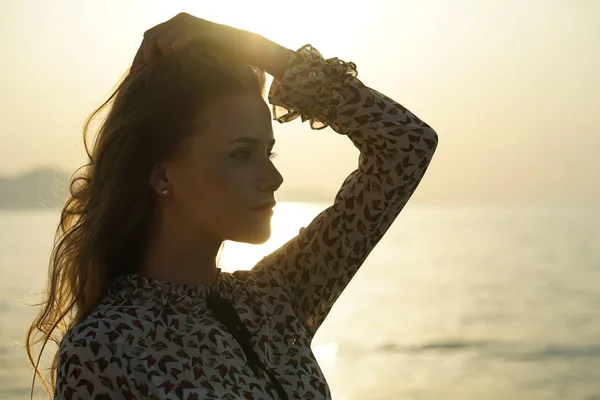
(395, 147)
(90, 369)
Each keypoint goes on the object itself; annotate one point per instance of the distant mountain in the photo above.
(43, 188)
(47, 188)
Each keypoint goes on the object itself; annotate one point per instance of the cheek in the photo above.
(232, 181)
(221, 191)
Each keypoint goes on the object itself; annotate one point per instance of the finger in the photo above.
(159, 39)
(181, 42)
(166, 39)
(178, 45)
(185, 31)
(138, 60)
(164, 45)
(150, 47)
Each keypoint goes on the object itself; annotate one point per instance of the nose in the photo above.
(271, 179)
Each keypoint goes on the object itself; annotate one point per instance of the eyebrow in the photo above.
(250, 140)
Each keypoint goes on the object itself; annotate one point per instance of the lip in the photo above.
(264, 211)
(265, 207)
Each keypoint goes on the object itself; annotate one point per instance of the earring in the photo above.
(165, 192)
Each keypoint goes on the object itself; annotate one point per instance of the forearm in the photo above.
(395, 150)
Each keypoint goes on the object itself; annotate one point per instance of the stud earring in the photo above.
(165, 192)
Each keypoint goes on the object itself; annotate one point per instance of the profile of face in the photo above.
(226, 173)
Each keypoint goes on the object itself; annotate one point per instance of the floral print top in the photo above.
(152, 339)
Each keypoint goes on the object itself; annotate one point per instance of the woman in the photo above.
(182, 163)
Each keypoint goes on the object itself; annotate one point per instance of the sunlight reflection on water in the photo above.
(453, 303)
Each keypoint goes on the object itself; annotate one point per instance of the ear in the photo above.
(159, 179)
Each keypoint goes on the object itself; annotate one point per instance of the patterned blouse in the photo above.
(152, 339)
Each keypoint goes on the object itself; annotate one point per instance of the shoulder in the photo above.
(107, 332)
(94, 358)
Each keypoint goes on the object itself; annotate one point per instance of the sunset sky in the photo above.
(511, 87)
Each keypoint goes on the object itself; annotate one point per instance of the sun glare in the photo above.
(267, 18)
(287, 220)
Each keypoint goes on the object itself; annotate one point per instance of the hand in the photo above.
(171, 37)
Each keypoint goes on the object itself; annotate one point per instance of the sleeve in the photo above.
(395, 147)
(89, 369)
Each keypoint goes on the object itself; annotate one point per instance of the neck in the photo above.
(180, 256)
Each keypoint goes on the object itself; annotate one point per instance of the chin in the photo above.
(252, 230)
(253, 236)
(260, 237)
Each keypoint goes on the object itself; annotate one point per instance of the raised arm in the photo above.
(395, 150)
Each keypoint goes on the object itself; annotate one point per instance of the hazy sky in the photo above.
(511, 87)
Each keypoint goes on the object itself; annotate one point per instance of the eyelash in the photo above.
(246, 153)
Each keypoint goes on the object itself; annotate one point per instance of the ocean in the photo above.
(454, 303)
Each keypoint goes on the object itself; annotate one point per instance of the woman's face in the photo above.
(227, 173)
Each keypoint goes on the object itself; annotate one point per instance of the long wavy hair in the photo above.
(105, 223)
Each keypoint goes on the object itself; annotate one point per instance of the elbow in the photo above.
(430, 140)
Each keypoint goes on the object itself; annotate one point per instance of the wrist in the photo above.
(267, 55)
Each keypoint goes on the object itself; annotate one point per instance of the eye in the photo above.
(241, 154)
(246, 154)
